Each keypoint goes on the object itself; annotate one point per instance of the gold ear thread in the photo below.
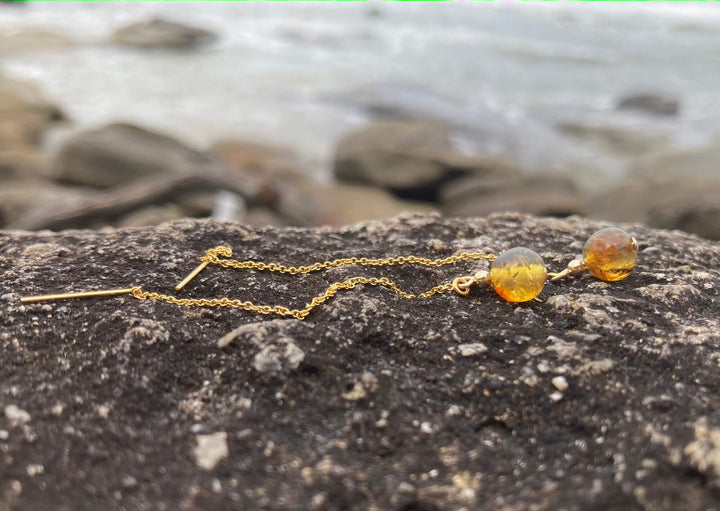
(80, 294)
(517, 275)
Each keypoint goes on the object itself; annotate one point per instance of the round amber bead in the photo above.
(610, 254)
(518, 275)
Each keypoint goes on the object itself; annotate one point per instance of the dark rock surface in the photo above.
(598, 396)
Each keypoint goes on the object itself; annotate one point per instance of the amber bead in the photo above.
(610, 254)
(518, 275)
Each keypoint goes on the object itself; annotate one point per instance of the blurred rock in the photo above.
(343, 204)
(689, 203)
(159, 33)
(262, 217)
(699, 161)
(25, 114)
(18, 196)
(152, 215)
(265, 160)
(15, 41)
(413, 159)
(120, 153)
(618, 139)
(650, 103)
(504, 191)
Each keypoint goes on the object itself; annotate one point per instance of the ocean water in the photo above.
(502, 74)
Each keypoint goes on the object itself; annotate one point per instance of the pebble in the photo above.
(472, 349)
(210, 449)
(560, 383)
(15, 414)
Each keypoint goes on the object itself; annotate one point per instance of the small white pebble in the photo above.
(4, 434)
(560, 383)
(556, 396)
(210, 449)
(128, 481)
(216, 485)
(406, 488)
(34, 469)
(453, 411)
(15, 414)
(472, 349)
(103, 411)
(426, 427)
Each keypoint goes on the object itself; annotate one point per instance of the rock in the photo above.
(695, 161)
(383, 411)
(410, 158)
(210, 450)
(17, 41)
(26, 115)
(18, 196)
(16, 415)
(264, 160)
(120, 153)
(162, 34)
(650, 103)
(689, 203)
(481, 195)
(627, 141)
(343, 204)
(152, 215)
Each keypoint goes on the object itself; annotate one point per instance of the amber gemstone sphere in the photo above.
(610, 254)
(518, 275)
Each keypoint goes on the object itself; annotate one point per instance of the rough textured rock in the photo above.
(481, 195)
(119, 153)
(597, 396)
(690, 203)
(163, 34)
(410, 158)
(650, 103)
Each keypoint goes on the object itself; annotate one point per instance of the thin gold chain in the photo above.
(212, 256)
(331, 291)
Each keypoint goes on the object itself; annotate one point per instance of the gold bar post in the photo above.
(192, 275)
(81, 294)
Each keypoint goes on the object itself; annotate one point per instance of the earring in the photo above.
(609, 255)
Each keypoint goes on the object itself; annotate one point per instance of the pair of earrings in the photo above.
(519, 274)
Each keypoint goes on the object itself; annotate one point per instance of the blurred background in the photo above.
(131, 114)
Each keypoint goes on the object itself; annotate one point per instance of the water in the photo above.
(303, 74)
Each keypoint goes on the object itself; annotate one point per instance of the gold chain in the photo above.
(284, 311)
(459, 285)
(212, 257)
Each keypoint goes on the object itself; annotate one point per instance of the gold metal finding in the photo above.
(192, 275)
(80, 294)
(573, 267)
